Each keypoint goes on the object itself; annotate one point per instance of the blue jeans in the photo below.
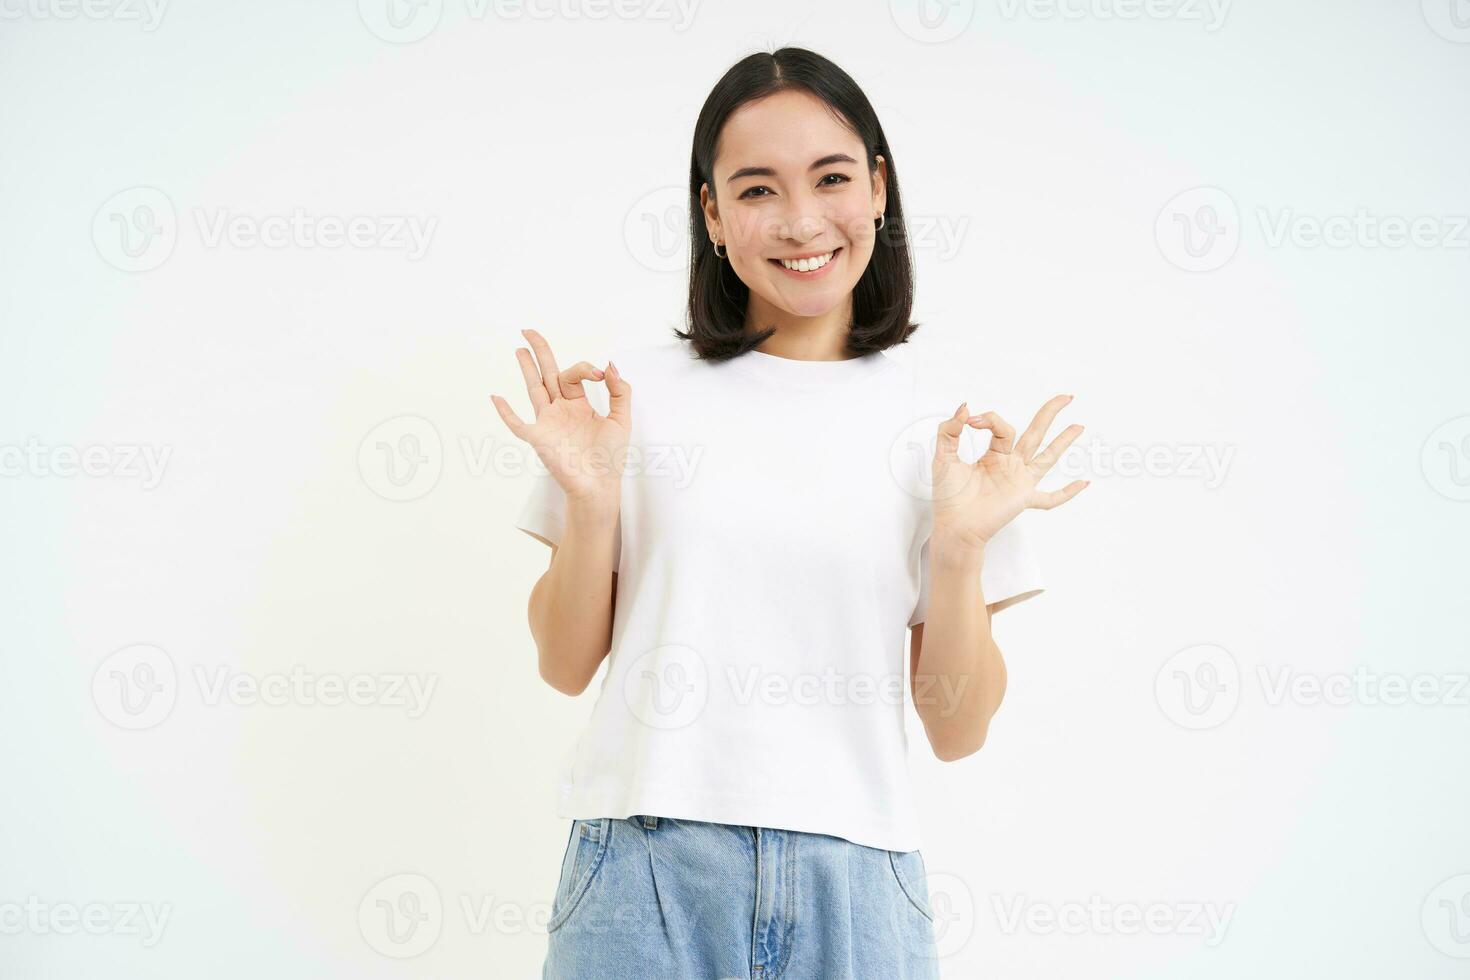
(666, 899)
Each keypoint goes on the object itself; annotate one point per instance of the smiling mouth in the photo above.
(809, 266)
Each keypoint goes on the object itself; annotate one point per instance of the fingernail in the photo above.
(962, 405)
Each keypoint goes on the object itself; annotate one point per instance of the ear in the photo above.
(711, 213)
(880, 186)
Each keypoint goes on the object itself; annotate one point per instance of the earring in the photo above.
(882, 220)
(717, 249)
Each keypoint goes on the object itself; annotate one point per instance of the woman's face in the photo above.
(791, 182)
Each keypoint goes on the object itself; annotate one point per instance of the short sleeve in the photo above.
(1011, 572)
(544, 507)
(1009, 575)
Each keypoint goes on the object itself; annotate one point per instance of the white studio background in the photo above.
(244, 474)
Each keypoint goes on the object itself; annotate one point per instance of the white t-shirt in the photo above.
(772, 550)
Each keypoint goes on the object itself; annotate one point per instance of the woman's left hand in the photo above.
(972, 501)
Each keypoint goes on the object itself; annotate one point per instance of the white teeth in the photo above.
(807, 265)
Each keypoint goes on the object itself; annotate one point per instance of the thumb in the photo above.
(948, 443)
(620, 395)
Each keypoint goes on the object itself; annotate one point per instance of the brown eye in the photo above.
(750, 191)
(841, 179)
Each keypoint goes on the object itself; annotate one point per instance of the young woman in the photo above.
(746, 550)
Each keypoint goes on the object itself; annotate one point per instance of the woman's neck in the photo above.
(800, 338)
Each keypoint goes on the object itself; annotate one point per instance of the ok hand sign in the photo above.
(972, 501)
(584, 451)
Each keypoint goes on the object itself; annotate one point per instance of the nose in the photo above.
(805, 218)
(805, 228)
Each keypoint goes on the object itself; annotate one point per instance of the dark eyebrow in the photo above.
(826, 161)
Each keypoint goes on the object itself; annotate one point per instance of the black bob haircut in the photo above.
(882, 299)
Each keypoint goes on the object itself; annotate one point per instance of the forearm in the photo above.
(571, 605)
(961, 675)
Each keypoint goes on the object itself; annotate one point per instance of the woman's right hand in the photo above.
(584, 451)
